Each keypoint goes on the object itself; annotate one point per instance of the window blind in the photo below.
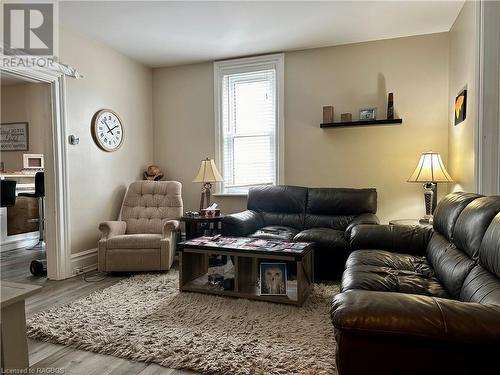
(249, 129)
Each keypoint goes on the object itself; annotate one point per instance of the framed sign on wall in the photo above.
(14, 136)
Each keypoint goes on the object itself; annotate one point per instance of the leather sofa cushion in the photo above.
(408, 239)
(134, 241)
(489, 252)
(341, 201)
(283, 219)
(386, 279)
(276, 232)
(323, 237)
(472, 223)
(325, 221)
(280, 199)
(395, 261)
(481, 286)
(450, 264)
(448, 210)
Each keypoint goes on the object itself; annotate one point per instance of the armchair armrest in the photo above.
(112, 228)
(366, 218)
(388, 313)
(410, 239)
(169, 227)
(242, 223)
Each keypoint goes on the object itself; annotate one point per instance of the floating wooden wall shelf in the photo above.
(343, 124)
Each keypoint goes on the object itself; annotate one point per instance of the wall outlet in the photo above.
(78, 270)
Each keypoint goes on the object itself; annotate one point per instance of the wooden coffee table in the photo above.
(242, 271)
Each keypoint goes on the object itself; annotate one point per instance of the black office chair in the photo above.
(8, 193)
(39, 194)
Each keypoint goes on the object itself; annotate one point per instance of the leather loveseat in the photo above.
(324, 216)
(418, 300)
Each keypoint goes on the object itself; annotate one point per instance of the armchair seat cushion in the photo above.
(387, 279)
(276, 232)
(323, 237)
(135, 241)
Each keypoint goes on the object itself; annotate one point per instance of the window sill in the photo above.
(230, 195)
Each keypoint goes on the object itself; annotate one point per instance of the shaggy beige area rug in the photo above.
(145, 318)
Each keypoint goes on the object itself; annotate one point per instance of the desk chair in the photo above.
(39, 194)
(8, 193)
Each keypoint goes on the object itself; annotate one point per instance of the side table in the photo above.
(197, 226)
(409, 222)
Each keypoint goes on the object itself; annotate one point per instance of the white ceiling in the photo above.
(162, 33)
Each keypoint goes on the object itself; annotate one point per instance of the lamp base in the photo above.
(205, 194)
(430, 198)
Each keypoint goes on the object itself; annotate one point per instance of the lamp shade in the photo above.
(430, 168)
(208, 172)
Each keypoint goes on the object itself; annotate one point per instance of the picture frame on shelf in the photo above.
(367, 114)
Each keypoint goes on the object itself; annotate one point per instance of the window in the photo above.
(248, 122)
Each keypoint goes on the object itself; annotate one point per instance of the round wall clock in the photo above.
(107, 130)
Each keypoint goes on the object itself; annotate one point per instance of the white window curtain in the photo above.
(248, 122)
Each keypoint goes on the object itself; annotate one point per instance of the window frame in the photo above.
(242, 65)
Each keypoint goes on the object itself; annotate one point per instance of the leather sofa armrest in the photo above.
(242, 223)
(410, 315)
(366, 218)
(112, 228)
(408, 239)
(169, 227)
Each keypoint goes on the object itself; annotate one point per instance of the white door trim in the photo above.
(56, 172)
(487, 142)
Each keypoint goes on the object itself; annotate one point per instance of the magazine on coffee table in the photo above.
(246, 243)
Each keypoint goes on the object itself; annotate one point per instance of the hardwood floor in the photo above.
(14, 266)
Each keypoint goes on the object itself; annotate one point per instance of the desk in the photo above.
(15, 229)
(14, 344)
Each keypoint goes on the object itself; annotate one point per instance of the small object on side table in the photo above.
(411, 222)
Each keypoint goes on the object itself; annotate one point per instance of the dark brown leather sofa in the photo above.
(324, 216)
(423, 300)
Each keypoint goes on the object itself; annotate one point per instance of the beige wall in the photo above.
(98, 179)
(462, 74)
(26, 102)
(349, 77)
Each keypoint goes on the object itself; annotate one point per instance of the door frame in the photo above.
(58, 233)
(487, 142)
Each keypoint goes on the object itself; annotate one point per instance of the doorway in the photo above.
(58, 250)
(26, 115)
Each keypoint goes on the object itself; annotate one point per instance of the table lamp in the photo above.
(430, 170)
(207, 174)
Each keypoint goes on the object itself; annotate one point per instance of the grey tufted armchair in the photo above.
(144, 238)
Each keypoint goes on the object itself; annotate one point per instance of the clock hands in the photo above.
(106, 123)
(111, 130)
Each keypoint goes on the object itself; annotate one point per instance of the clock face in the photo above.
(107, 130)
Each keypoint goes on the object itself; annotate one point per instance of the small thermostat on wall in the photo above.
(74, 140)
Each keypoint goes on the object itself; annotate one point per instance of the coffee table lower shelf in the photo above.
(194, 275)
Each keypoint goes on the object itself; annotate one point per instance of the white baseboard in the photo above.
(84, 261)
